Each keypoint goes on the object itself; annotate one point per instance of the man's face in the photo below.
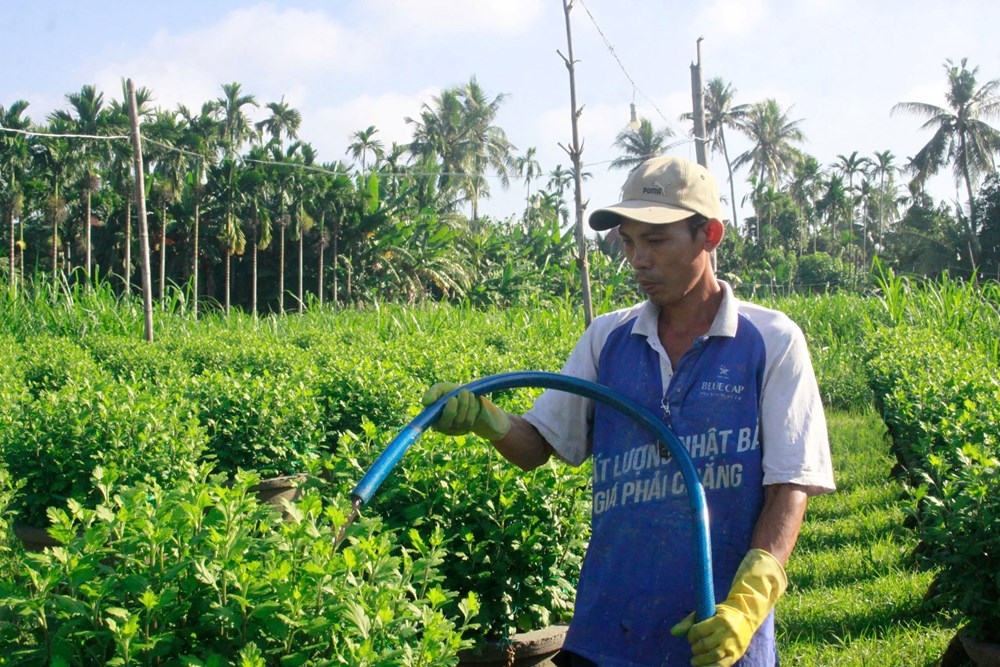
(668, 263)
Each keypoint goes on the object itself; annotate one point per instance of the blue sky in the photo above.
(348, 64)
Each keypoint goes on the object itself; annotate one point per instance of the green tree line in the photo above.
(822, 225)
(245, 213)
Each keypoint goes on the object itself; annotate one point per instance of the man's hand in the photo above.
(721, 640)
(467, 412)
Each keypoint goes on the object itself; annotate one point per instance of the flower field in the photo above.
(140, 457)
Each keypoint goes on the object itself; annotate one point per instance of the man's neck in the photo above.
(680, 323)
(694, 314)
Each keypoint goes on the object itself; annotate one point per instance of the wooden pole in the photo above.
(140, 202)
(575, 151)
(698, 111)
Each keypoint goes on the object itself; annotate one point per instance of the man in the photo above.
(734, 382)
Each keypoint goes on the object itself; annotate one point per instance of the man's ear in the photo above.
(714, 230)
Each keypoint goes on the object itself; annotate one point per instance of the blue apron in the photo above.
(637, 579)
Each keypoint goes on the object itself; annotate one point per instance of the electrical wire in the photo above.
(32, 133)
(200, 156)
(614, 54)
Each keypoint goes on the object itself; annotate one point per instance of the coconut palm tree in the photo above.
(560, 179)
(224, 192)
(851, 165)
(773, 135)
(392, 170)
(283, 178)
(167, 169)
(720, 113)
(253, 186)
(303, 190)
(364, 142)
(639, 144)
(487, 147)
(834, 205)
(14, 164)
(458, 130)
(962, 137)
(439, 134)
(868, 196)
(236, 127)
(52, 156)
(804, 190)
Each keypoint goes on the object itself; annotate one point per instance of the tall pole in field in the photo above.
(698, 109)
(574, 153)
(698, 114)
(140, 203)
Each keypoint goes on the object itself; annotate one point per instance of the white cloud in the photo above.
(824, 8)
(728, 18)
(280, 47)
(273, 43)
(436, 18)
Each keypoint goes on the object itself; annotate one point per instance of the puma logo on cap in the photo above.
(655, 189)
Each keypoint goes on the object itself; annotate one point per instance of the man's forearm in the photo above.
(523, 445)
(778, 526)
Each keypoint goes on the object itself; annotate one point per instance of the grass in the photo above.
(855, 595)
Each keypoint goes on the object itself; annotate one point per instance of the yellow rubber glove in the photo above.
(466, 413)
(723, 639)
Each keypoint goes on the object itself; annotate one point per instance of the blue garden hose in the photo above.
(704, 595)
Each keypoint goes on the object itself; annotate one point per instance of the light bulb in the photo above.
(633, 123)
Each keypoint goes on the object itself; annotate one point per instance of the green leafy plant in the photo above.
(515, 540)
(252, 349)
(134, 360)
(202, 574)
(354, 387)
(268, 423)
(59, 437)
(49, 362)
(8, 544)
(13, 391)
(959, 513)
(934, 377)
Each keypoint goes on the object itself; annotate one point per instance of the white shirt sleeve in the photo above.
(793, 435)
(564, 419)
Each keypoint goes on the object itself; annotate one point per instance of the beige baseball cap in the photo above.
(663, 190)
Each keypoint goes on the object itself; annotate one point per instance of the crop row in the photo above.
(941, 402)
(322, 395)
